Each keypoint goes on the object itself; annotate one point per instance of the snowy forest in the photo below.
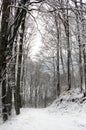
(42, 63)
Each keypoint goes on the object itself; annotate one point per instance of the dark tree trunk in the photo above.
(68, 48)
(84, 54)
(54, 79)
(80, 47)
(45, 98)
(31, 89)
(35, 96)
(9, 99)
(83, 41)
(58, 44)
(3, 47)
(17, 88)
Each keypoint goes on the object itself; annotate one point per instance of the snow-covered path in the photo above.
(42, 119)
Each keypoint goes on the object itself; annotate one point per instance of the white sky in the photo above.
(37, 45)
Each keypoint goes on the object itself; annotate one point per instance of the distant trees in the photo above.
(71, 39)
(38, 91)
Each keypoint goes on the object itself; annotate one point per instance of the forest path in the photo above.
(43, 119)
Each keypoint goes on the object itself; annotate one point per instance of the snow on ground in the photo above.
(41, 119)
(66, 115)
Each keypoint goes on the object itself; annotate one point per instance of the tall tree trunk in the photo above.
(65, 21)
(68, 47)
(3, 47)
(83, 42)
(80, 47)
(17, 88)
(58, 44)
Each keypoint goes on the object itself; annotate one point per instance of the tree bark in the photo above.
(3, 50)
(80, 47)
(18, 85)
(58, 44)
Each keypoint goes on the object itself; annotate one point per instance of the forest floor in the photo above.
(65, 115)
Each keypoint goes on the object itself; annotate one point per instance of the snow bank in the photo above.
(70, 101)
